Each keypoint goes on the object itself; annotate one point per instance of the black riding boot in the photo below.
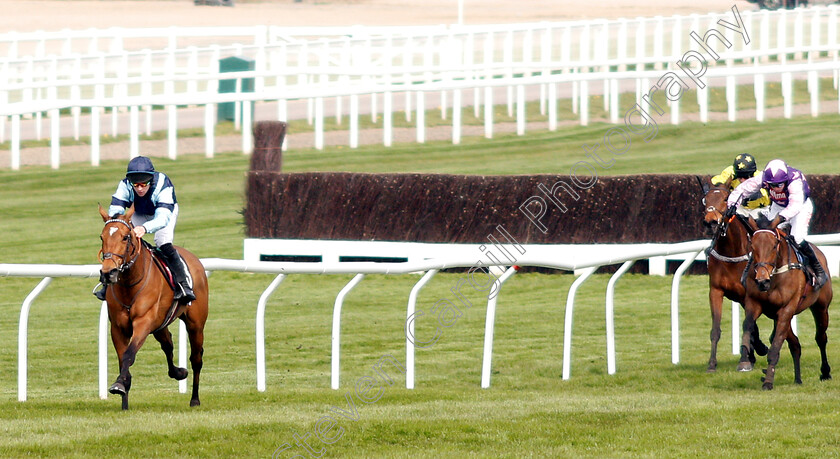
(100, 294)
(183, 292)
(820, 274)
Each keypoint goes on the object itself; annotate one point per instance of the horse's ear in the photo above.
(728, 182)
(103, 213)
(703, 185)
(128, 213)
(752, 226)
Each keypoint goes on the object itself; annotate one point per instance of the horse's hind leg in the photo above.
(164, 337)
(759, 347)
(821, 319)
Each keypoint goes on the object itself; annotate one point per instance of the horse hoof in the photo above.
(195, 402)
(745, 366)
(767, 386)
(711, 370)
(117, 389)
(825, 377)
(178, 374)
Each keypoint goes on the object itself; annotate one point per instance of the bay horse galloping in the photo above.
(140, 302)
(726, 259)
(778, 287)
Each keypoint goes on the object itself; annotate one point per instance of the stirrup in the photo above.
(100, 294)
(183, 295)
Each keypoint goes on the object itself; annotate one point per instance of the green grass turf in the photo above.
(650, 408)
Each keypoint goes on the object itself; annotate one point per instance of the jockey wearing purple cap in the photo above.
(790, 202)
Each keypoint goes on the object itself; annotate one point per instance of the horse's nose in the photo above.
(109, 277)
(764, 285)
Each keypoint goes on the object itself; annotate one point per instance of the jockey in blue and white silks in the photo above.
(155, 211)
(790, 198)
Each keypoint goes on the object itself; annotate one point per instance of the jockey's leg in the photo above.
(799, 230)
(814, 262)
(183, 290)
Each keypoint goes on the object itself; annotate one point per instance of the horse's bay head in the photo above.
(118, 245)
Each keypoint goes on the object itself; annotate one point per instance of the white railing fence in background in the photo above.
(582, 259)
(403, 67)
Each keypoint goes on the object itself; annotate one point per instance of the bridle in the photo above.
(126, 264)
(723, 221)
(767, 265)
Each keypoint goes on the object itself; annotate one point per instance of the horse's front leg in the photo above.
(716, 305)
(751, 313)
(122, 385)
(120, 339)
(781, 334)
(164, 337)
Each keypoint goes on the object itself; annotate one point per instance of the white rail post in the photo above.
(172, 131)
(260, 327)
(736, 328)
(336, 329)
(456, 117)
(610, 313)
(55, 139)
(787, 94)
(15, 153)
(209, 130)
(23, 335)
(134, 132)
(103, 351)
(183, 337)
(94, 135)
(387, 118)
(488, 112)
(489, 325)
(520, 109)
(354, 120)
(248, 128)
(675, 308)
(409, 324)
(319, 123)
(758, 87)
(421, 116)
(567, 327)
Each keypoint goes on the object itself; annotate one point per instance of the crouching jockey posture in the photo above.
(790, 202)
(155, 211)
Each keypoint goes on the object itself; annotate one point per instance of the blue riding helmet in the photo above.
(140, 169)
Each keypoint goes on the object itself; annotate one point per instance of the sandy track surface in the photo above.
(32, 15)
